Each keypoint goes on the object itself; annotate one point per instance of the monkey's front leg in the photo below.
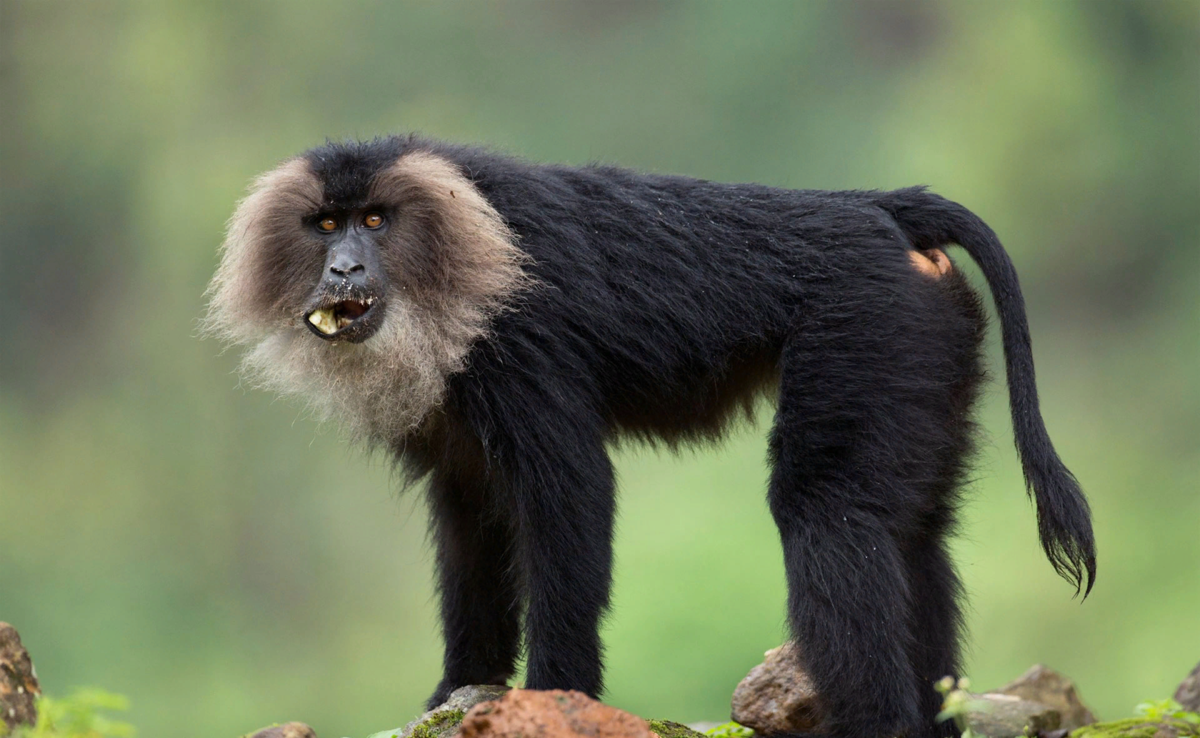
(563, 494)
(480, 601)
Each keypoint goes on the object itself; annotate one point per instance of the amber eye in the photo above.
(328, 225)
(373, 220)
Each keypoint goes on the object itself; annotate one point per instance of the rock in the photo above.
(464, 698)
(1188, 693)
(1052, 689)
(443, 720)
(287, 730)
(18, 681)
(527, 713)
(668, 729)
(1009, 716)
(1139, 728)
(1039, 701)
(778, 696)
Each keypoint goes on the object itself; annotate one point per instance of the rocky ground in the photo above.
(777, 696)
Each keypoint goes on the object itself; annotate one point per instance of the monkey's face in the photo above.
(348, 303)
(360, 281)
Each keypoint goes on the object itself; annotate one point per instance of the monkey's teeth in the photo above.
(324, 321)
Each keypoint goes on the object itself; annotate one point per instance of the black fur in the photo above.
(663, 306)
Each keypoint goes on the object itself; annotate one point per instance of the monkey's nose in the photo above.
(345, 265)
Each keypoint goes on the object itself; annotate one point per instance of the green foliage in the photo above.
(1164, 709)
(957, 704)
(78, 716)
(730, 730)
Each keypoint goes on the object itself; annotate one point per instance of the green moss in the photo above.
(668, 729)
(439, 724)
(1136, 728)
(446, 716)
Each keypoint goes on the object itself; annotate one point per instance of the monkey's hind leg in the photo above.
(480, 600)
(936, 622)
(948, 440)
(842, 491)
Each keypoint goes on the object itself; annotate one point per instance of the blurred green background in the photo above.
(220, 558)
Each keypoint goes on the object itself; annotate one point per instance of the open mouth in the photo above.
(332, 320)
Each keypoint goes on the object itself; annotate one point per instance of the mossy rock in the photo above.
(437, 724)
(443, 720)
(668, 729)
(1139, 728)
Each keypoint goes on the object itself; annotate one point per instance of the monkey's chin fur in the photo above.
(378, 390)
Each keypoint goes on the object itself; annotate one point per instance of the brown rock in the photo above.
(778, 696)
(527, 713)
(464, 698)
(1188, 693)
(18, 682)
(1052, 689)
(1009, 716)
(287, 730)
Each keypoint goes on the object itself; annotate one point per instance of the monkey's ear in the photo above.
(263, 240)
(474, 256)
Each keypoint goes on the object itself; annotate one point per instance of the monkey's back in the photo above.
(667, 300)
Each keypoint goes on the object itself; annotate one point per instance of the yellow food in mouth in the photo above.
(326, 322)
(330, 320)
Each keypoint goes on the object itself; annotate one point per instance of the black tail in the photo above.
(1064, 519)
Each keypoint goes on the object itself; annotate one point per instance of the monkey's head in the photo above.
(358, 276)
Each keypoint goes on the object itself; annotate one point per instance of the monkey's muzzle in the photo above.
(339, 317)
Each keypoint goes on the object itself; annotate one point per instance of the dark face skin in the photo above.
(348, 303)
